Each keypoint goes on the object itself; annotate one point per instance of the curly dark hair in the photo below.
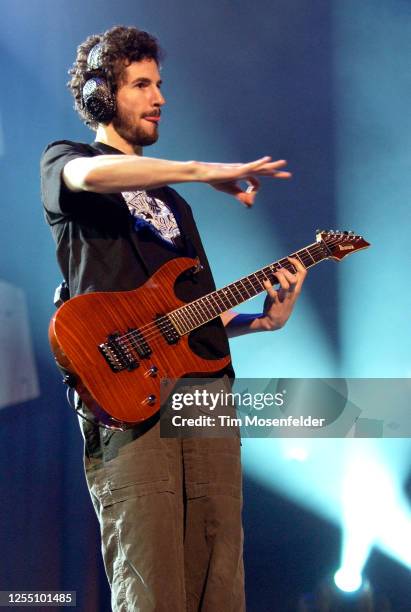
(121, 46)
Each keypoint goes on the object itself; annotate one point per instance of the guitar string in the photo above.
(154, 328)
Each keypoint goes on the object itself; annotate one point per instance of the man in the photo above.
(169, 509)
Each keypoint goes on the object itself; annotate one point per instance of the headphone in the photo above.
(98, 99)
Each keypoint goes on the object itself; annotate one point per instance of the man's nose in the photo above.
(159, 99)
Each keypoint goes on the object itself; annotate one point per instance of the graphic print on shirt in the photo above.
(153, 213)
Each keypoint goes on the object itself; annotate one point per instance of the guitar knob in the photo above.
(152, 371)
(150, 400)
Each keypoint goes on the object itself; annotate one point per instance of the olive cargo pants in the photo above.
(170, 517)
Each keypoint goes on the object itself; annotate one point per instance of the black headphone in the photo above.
(98, 99)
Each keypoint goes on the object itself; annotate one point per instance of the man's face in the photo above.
(139, 103)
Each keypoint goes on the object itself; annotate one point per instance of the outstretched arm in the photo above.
(278, 305)
(114, 173)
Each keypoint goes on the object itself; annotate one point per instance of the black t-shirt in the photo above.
(104, 244)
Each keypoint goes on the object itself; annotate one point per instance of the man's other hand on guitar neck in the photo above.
(278, 304)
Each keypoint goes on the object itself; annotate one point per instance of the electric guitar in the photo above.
(118, 347)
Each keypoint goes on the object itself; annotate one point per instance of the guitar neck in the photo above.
(205, 309)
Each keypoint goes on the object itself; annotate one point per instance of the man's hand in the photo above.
(227, 177)
(279, 304)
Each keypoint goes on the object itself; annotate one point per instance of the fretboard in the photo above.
(204, 309)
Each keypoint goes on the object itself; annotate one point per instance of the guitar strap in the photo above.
(61, 294)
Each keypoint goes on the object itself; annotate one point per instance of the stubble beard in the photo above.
(133, 134)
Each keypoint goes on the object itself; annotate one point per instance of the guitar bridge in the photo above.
(117, 354)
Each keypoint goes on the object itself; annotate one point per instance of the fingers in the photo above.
(258, 163)
(289, 282)
(248, 196)
(226, 177)
(298, 265)
(270, 168)
(263, 167)
(253, 184)
(270, 290)
(266, 167)
(286, 279)
(245, 196)
(301, 271)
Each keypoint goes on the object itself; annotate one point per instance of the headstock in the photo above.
(339, 244)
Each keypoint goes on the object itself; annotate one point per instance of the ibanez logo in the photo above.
(347, 247)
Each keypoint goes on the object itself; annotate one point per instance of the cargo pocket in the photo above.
(134, 475)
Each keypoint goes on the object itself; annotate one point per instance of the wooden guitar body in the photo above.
(129, 395)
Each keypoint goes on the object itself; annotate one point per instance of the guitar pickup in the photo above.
(139, 343)
(167, 329)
